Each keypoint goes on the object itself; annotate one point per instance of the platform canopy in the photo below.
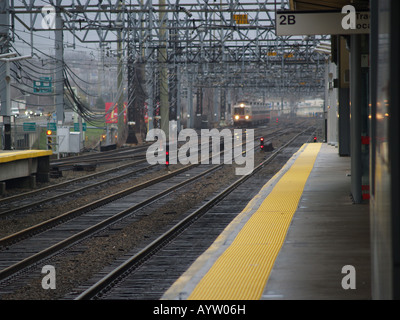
(311, 5)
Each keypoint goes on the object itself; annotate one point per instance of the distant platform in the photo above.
(24, 167)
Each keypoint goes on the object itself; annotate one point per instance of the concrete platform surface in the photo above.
(327, 233)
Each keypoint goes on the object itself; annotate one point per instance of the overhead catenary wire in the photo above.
(81, 108)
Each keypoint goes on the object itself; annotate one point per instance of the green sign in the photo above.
(76, 126)
(29, 126)
(43, 85)
(52, 126)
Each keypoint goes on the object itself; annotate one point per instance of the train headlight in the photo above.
(246, 117)
(237, 117)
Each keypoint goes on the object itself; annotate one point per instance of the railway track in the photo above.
(89, 161)
(86, 224)
(123, 153)
(25, 201)
(38, 198)
(87, 220)
(122, 281)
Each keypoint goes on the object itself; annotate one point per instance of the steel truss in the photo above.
(169, 45)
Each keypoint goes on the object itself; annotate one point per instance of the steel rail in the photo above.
(79, 236)
(157, 244)
(68, 193)
(66, 183)
(9, 271)
(78, 211)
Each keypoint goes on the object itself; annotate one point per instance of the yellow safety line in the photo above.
(178, 288)
(8, 156)
(242, 271)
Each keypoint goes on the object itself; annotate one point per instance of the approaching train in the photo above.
(246, 114)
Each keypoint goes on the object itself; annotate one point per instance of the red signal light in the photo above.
(167, 157)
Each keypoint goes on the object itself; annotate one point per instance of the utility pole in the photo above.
(4, 49)
(131, 139)
(190, 120)
(5, 81)
(162, 58)
(120, 91)
(150, 72)
(59, 65)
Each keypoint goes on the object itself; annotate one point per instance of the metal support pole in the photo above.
(216, 106)
(7, 109)
(355, 125)
(223, 107)
(59, 80)
(150, 73)
(4, 49)
(120, 101)
(178, 97)
(190, 119)
(7, 106)
(344, 100)
(131, 99)
(150, 95)
(162, 58)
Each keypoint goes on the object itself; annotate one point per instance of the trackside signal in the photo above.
(167, 155)
(262, 143)
(49, 140)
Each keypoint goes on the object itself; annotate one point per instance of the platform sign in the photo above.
(290, 23)
(52, 126)
(29, 126)
(241, 18)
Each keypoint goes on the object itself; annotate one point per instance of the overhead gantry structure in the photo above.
(168, 47)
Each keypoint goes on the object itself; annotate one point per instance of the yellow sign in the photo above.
(240, 18)
(271, 54)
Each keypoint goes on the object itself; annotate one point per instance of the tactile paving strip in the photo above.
(242, 271)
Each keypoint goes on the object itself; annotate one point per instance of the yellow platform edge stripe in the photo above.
(242, 271)
(179, 288)
(8, 156)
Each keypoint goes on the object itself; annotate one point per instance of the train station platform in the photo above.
(24, 166)
(301, 237)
